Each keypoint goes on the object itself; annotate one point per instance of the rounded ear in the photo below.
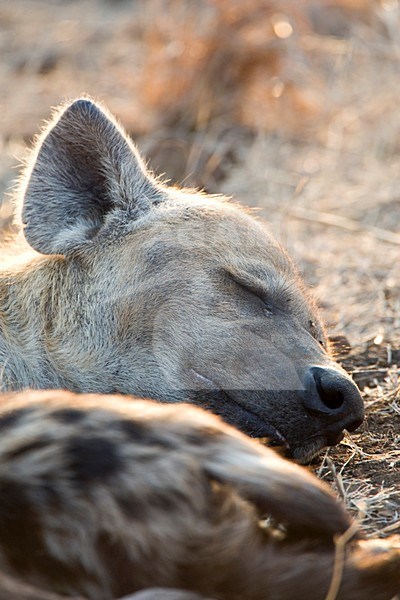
(84, 168)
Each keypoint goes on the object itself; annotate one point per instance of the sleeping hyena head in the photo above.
(137, 287)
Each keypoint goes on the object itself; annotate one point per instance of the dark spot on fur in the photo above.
(68, 416)
(92, 458)
(133, 430)
(22, 541)
(115, 558)
(201, 436)
(13, 418)
(20, 527)
(140, 508)
(26, 448)
(140, 433)
(169, 502)
(52, 497)
(131, 508)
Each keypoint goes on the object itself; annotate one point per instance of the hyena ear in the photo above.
(85, 169)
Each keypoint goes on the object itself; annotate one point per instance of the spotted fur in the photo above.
(101, 497)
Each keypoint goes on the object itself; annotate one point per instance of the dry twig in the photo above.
(324, 218)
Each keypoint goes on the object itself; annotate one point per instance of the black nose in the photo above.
(332, 396)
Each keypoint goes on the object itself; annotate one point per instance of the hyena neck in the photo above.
(23, 359)
(26, 308)
(49, 336)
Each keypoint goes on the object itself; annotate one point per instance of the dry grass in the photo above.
(364, 469)
(291, 106)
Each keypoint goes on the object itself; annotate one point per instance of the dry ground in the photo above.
(291, 106)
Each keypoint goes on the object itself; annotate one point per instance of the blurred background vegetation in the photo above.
(289, 105)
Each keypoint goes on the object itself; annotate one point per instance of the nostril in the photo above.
(330, 397)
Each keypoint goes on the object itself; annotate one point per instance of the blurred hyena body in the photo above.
(139, 288)
(102, 497)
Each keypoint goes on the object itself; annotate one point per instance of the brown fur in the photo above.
(102, 497)
(135, 287)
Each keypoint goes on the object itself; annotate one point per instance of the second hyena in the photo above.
(101, 496)
(139, 288)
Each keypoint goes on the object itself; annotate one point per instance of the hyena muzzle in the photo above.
(101, 496)
(134, 287)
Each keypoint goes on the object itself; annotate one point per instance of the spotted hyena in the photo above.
(102, 497)
(135, 287)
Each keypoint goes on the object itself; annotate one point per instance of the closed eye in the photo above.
(256, 290)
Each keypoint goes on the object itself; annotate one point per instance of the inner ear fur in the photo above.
(83, 168)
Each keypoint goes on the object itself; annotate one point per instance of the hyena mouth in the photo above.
(332, 439)
(305, 452)
(221, 402)
(309, 448)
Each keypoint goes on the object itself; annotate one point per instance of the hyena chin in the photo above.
(102, 496)
(139, 288)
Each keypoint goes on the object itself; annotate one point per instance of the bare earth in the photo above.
(293, 109)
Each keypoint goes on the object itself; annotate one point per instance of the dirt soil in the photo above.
(292, 107)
